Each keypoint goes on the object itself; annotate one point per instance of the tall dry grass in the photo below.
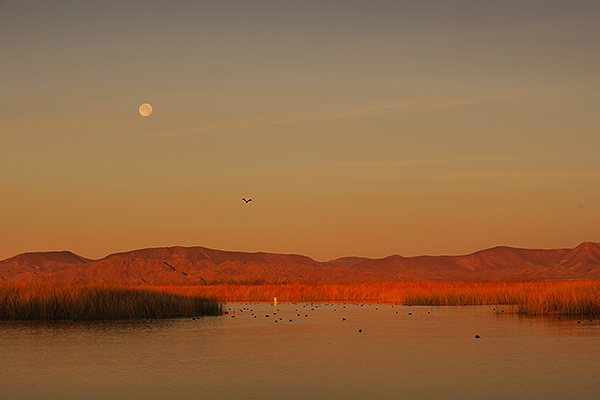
(576, 298)
(524, 297)
(99, 301)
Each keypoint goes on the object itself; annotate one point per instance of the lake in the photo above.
(402, 352)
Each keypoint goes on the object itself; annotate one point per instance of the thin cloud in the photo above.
(408, 106)
(404, 106)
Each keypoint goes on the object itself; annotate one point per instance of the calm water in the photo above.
(320, 356)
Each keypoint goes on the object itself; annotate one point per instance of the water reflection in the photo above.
(299, 351)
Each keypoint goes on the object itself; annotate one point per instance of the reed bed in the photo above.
(99, 302)
(102, 301)
(522, 297)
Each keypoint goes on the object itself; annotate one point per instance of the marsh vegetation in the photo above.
(527, 297)
(99, 302)
(108, 301)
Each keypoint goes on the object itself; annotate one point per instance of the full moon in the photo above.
(145, 110)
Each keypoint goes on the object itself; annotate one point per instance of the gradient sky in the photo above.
(364, 128)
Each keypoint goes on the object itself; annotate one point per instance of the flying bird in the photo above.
(246, 200)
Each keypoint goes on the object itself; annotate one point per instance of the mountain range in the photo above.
(193, 265)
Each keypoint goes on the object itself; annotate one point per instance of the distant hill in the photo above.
(35, 267)
(192, 265)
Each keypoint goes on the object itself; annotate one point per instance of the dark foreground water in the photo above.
(431, 354)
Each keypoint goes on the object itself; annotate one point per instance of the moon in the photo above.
(145, 110)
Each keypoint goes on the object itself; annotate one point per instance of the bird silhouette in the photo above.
(246, 200)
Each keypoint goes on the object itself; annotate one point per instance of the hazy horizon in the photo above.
(291, 253)
(357, 128)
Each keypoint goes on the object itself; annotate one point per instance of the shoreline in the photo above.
(94, 301)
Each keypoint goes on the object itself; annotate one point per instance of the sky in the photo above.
(365, 128)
